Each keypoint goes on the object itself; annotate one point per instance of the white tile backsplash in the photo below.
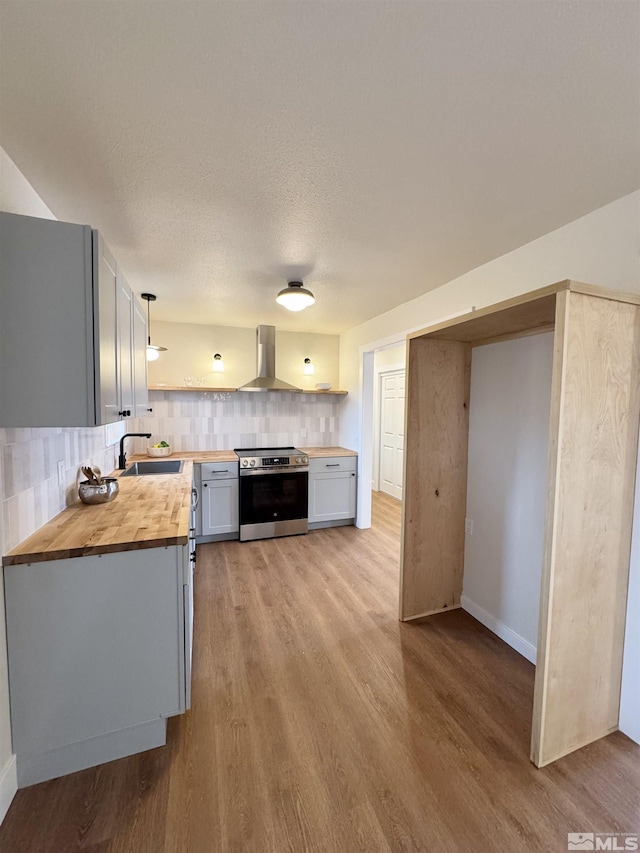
(192, 420)
(30, 491)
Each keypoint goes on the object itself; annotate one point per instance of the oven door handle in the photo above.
(195, 494)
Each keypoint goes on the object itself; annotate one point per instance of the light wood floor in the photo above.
(320, 723)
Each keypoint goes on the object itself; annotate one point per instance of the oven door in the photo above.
(273, 504)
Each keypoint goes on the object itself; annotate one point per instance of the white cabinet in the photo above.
(67, 352)
(332, 491)
(99, 655)
(220, 495)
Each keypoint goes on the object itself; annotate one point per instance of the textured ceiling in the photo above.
(374, 149)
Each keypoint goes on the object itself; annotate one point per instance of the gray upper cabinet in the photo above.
(66, 339)
(124, 346)
(140, 388)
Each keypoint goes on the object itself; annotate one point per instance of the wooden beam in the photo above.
(437, 433)
(595, 413)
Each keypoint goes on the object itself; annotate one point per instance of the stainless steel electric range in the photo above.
(274, 492)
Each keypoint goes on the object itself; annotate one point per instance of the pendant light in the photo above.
(295, 297)
(153, 352)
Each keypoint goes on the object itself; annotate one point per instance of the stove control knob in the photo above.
(304, 460)
(253, 463)
(298, 460)
(245, 463)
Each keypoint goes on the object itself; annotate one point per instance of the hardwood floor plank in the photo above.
(321, 723)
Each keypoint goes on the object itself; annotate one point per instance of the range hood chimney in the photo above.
(266, 364)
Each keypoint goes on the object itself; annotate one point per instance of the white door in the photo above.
(392, 432)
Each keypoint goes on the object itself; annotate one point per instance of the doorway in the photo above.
(391, 433)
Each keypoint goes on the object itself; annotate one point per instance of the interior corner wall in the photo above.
(506, 486)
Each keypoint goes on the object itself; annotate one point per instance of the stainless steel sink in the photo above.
(159, 466)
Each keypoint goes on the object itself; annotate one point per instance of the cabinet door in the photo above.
(124, 350)
(105, 332)
(220, 507)
(46, 324)
(332, 496)
(140, 392)
(96, 644)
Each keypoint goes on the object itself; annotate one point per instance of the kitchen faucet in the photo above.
(122, 459)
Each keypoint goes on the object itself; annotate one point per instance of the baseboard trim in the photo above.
(522, 646)
(339, 522)
(39, 767)
(8, 785)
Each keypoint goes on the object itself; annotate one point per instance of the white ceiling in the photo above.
(375, 149)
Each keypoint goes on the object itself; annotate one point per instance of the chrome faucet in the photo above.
(122, 459)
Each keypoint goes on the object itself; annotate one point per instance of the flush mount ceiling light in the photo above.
(295, 297)
(153, 353)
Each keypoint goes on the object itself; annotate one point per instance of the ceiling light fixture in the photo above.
(153, 353)
(295, 297)
(218, 363)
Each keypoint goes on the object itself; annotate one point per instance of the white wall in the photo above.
(600, 248)
(506, 486)
(16, 196)
(630, 697)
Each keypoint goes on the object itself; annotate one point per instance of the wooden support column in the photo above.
(592, 464)
(437, 434)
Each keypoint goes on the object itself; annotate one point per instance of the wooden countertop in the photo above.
(149, 512)
(326, 452)
(193, 456)
(230, 455)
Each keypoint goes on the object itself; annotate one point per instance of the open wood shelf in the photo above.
(235, 390)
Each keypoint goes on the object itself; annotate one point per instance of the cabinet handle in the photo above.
(150, 410)
(125, 413)
(333, 465)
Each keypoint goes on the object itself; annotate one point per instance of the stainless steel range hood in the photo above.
(266, 364)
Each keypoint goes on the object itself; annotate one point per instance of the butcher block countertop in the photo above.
(149, 512)
(326, 452)
(230, 455)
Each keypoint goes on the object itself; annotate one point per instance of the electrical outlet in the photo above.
(303, 433)
(61, 472)
(468, 526)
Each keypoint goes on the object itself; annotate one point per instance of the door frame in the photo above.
(366, 387)
(377, 426)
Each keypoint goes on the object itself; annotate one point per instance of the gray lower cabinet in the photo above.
(99, 656)
(219, 501)
(332, 491)
(68, 355)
